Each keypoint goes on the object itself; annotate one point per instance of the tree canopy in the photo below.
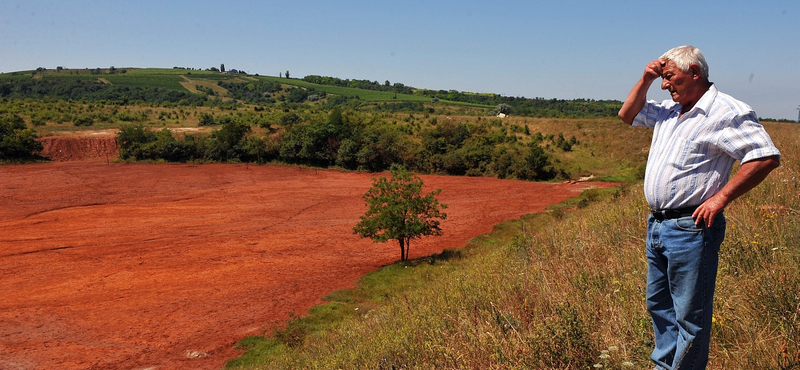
(17, 141)
(399, 210)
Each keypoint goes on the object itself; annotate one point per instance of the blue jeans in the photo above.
(682, 262)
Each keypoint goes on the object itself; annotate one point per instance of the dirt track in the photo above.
(166, 266)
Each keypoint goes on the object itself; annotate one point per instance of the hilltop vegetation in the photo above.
(537, 107)
(174, 86)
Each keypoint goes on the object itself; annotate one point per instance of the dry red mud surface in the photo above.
(166, 266)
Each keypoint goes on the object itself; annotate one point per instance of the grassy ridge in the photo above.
(563, 291)
(350, 92)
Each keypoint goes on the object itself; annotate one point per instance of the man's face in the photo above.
(681, 85)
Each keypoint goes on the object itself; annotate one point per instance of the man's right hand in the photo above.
(653, 70)
(636, 98)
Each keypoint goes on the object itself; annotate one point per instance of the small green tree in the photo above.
(207, 120)
(132, 138)
(17, 141)
(398, 210)
(501, 108)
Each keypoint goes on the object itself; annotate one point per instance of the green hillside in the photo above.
(117, 83)
(23, 84)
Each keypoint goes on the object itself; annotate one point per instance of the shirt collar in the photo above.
(705, 102)
(707, 99)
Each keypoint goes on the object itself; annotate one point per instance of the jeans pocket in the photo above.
(686, 223)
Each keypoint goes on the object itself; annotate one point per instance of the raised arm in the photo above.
(638, 95)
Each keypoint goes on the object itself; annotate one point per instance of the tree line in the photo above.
(536, 107)
(356, 141)
(359, 84)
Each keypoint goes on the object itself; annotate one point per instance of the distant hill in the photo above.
(182, 86)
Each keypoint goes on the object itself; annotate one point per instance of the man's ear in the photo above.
(694, 69)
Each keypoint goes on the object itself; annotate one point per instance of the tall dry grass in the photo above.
(757, 318)
(566, 291)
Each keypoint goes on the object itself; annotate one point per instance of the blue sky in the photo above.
(563, 49)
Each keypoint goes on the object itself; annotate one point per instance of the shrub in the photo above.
(226, 144)
(207, 120)
(17, 141)
(131, 138)
(84, 120)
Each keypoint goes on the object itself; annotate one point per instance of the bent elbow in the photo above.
(768, 164)
(774, 162)
(625, 117)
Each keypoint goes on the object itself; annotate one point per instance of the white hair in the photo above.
(686, 55)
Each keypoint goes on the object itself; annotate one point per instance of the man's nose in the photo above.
(664, 84)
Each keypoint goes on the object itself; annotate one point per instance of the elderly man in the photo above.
(697, 138)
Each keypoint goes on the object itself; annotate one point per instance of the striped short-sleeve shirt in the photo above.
(692, 155)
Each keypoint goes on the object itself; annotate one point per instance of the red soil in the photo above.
(166, 266)
(88, 146)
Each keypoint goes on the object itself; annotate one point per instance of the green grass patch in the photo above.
(372, 290)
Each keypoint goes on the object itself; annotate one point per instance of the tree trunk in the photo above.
(402, 248)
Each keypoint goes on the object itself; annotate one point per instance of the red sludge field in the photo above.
(166, 266)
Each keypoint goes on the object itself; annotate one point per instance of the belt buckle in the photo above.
(658, 214)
